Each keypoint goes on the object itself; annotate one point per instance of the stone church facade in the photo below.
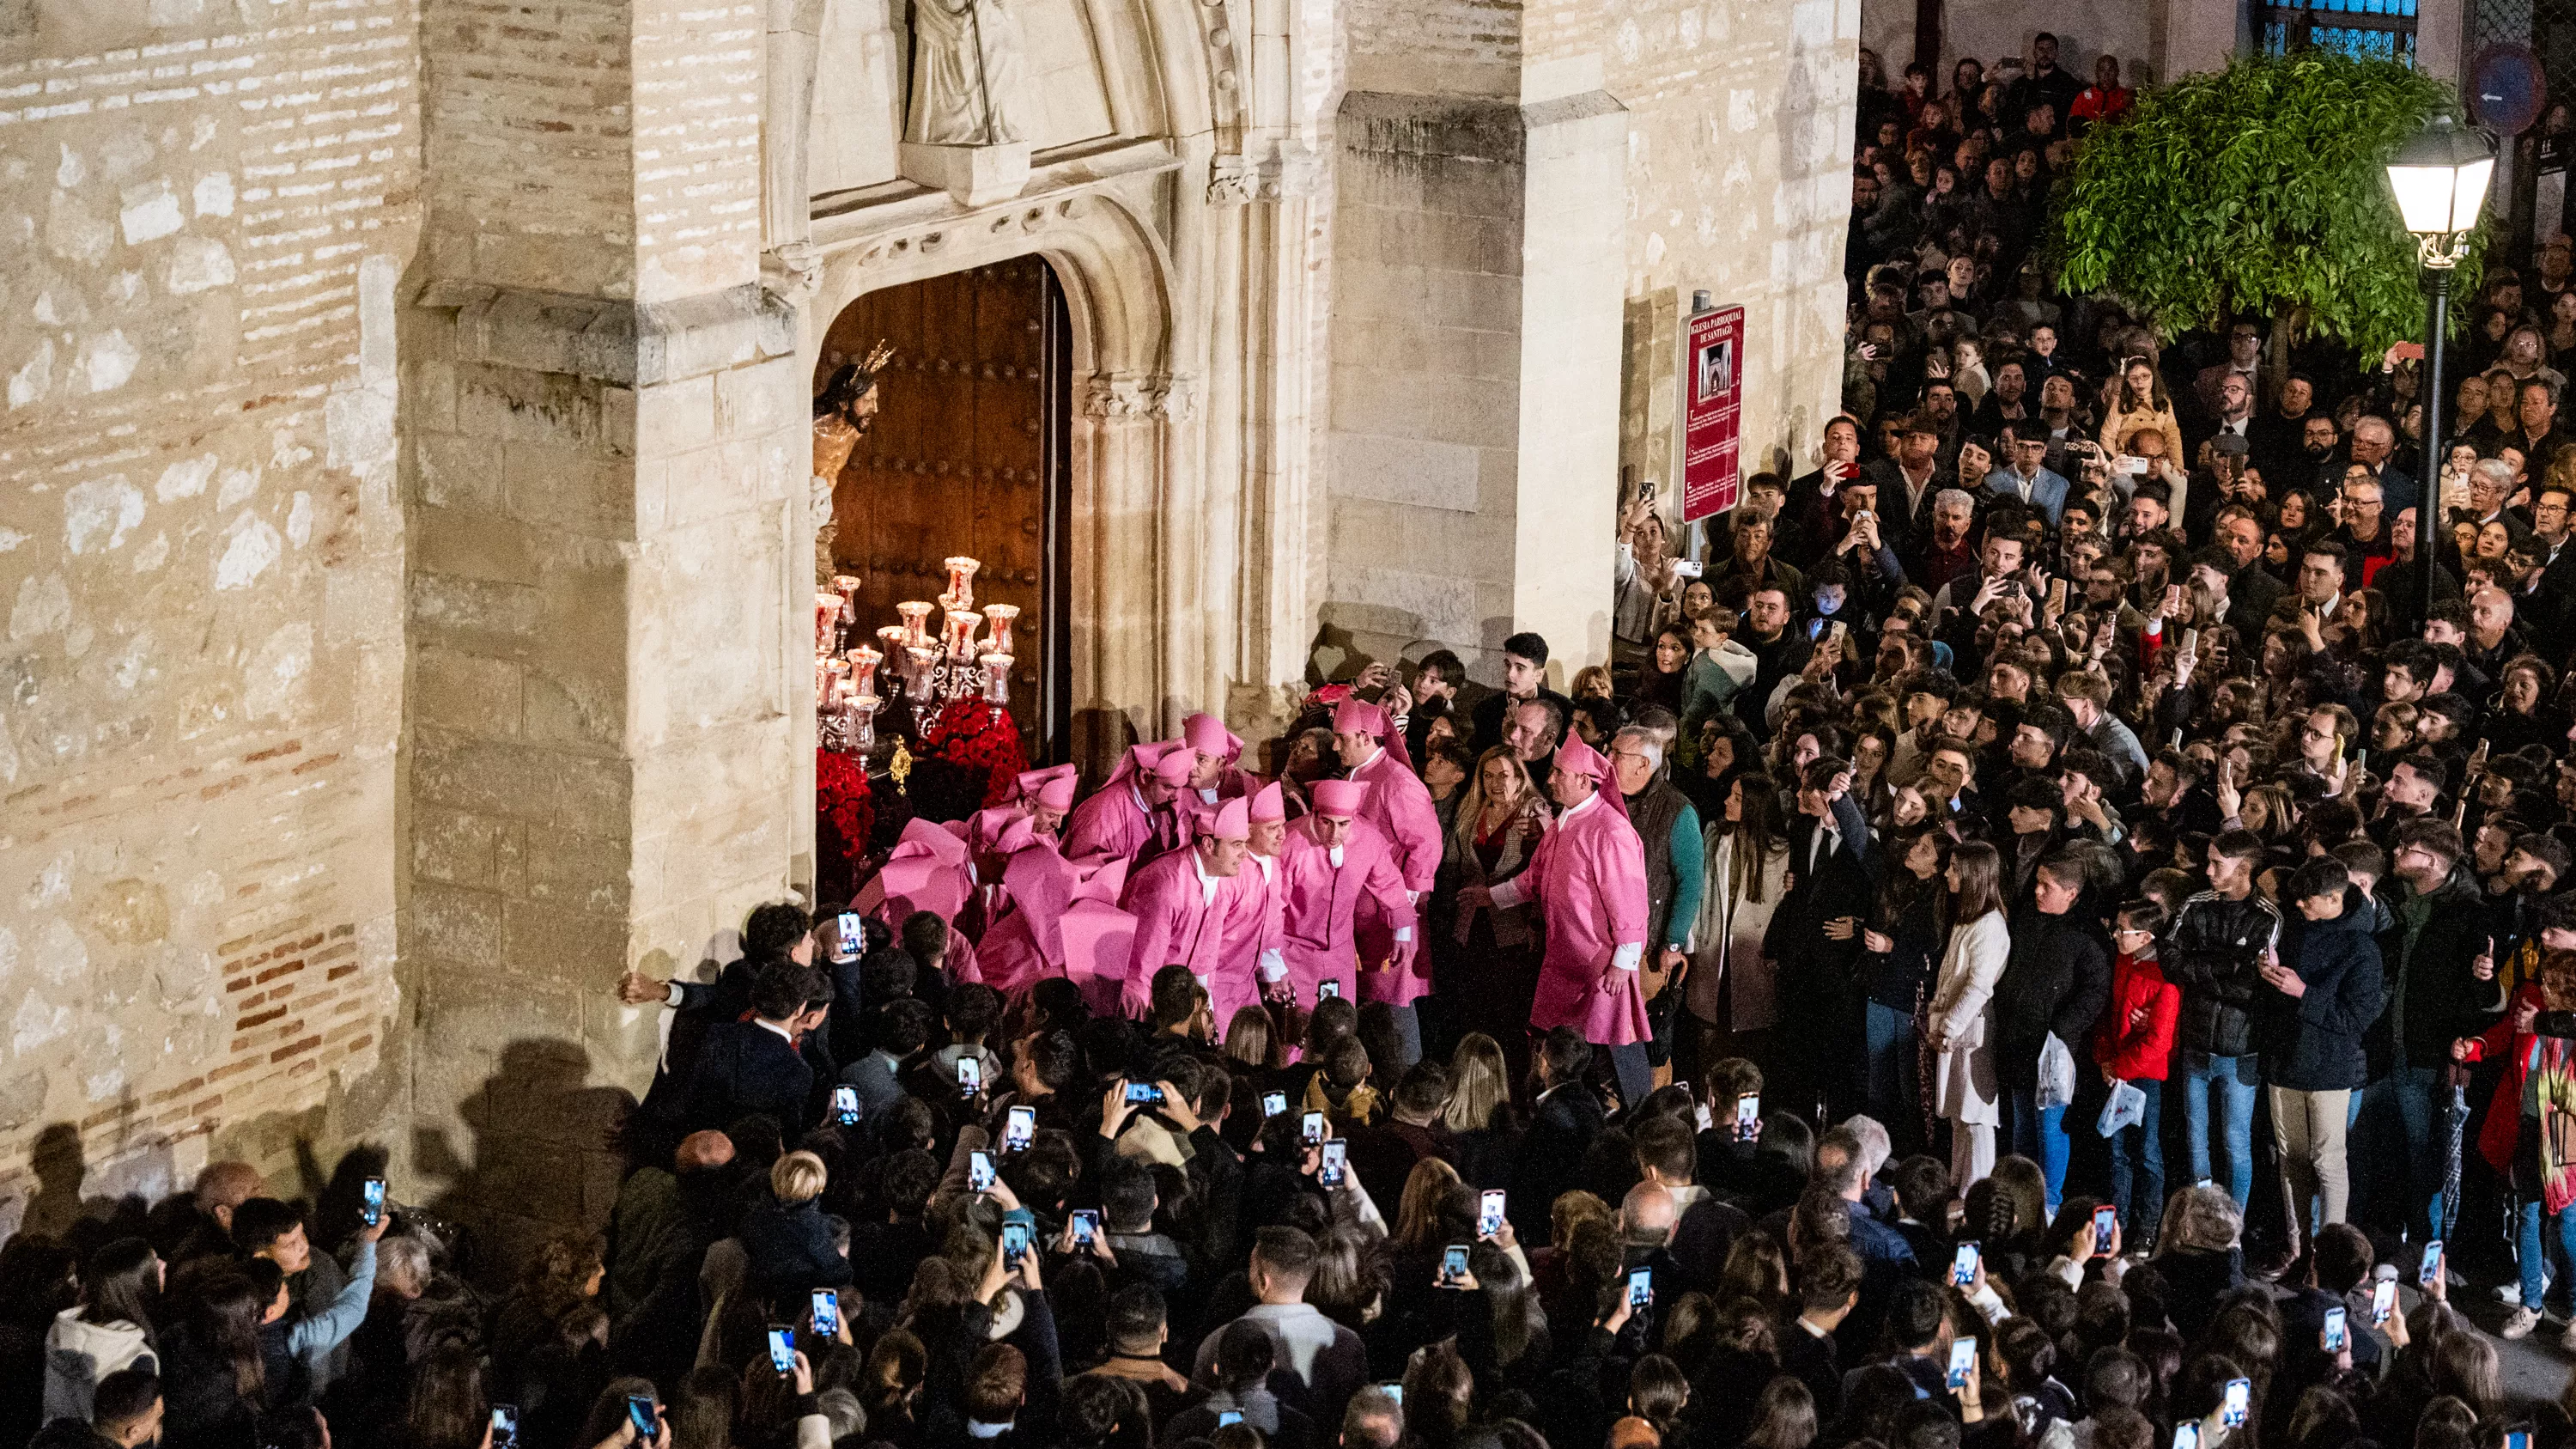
(405, 534)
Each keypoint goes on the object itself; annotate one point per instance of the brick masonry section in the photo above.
(200, 643)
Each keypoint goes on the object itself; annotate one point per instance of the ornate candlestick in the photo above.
(863, 729)
(961, 634)
(916, 623)
(961, 582)
(1000, 617)
(863, 668)
(925, 664)
(997, 678)
(827, 622)
(847, 586)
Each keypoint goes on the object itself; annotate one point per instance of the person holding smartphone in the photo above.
(2324, 989)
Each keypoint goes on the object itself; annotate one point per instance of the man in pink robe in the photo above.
(1181, 901)
(1330, 862)
(928, 870)
(1216, 776)
(1399, 805)
(1044, 799)
(1025, 943)
(1253, 958)
(1588, 878)
(1131, 815)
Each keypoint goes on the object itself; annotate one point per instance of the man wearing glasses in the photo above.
(2364, 533)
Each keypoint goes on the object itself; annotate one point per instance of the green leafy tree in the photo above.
(2257, 190)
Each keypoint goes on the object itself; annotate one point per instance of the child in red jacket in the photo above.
(2134, 1043)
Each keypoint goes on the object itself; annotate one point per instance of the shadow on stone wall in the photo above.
(544, 1157)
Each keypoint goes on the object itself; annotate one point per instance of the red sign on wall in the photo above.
(1712, 410)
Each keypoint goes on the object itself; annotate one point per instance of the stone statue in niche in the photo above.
(967, 69)
(843, 412)
(793, 45)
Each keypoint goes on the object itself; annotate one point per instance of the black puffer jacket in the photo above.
(2214, 952)
(2056, 981)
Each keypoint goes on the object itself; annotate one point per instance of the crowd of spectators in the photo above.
(2056, 812)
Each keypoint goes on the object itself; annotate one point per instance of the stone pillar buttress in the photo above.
(609, 693)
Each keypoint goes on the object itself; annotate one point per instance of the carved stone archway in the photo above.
(1135, 531)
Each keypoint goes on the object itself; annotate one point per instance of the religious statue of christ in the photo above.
(843, 411)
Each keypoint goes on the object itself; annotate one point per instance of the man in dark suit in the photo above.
(757, 1065)
(2535, 407)
(1708, 1225)
(1563, 1122)
(777, 931)
(1828, 1291)
(1907, 483)
(1816, 939)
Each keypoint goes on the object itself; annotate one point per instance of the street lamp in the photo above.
(2440, 178)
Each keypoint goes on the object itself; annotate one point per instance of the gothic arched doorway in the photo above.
(969, 454)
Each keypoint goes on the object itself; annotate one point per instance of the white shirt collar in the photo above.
(1593, 799)
(784, 1034)
(1207, 883)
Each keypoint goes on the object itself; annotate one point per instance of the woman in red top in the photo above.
(2134, 1043)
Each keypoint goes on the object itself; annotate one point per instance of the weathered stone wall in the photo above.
(1738, 176)
(200, 570)
(1679, 146)
(608, 439)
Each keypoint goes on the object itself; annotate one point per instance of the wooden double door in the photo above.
(967, 456)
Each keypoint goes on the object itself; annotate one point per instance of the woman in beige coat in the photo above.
(2141, 403)
(1964, 1083)
(1731, 988)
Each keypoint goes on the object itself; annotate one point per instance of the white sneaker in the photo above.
(2520, 1324)
(2509, 1292)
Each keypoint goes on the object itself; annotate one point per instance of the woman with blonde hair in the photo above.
(1483, 1125)
(1487, 956)
(1248, 1042)
(1965, 1085)
(1417, 1217)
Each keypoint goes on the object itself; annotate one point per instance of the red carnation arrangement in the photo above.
(974, 734)
(845, 812)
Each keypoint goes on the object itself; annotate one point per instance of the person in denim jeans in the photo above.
(2440, 987)
(2134, 1044)
(2214, 952)
(2055, 983)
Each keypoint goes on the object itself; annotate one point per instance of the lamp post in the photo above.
(2440, 179)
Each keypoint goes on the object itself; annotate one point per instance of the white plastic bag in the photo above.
(2056, 1074)
(2127, 1108)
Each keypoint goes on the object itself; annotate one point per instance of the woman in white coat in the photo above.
(110, 1329)
(1731, 988)
(1964, 1085)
